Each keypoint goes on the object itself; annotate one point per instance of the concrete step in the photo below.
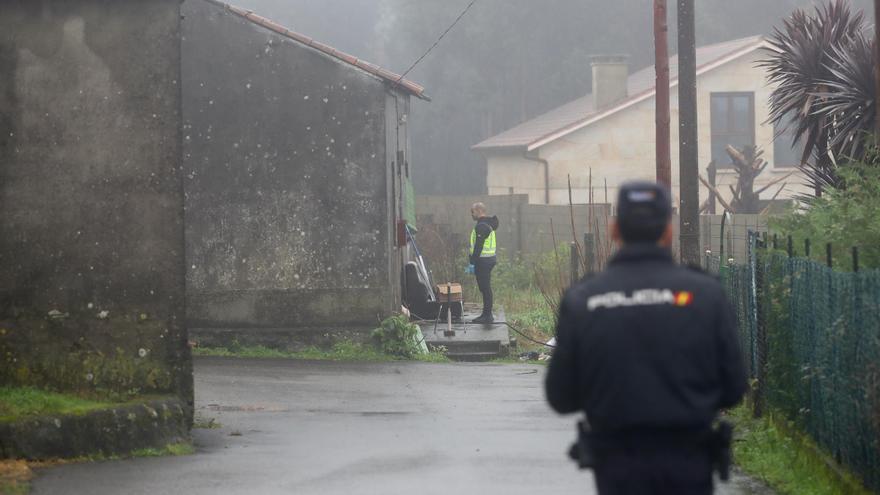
(474, 356)
(469, 341)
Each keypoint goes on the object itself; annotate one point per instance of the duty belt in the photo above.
(716, 441)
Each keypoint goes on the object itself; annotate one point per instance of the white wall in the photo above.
(506, 171)
(621, 147)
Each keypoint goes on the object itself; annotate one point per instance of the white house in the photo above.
(608, 137)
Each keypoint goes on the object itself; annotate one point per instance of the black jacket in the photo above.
(646, 344)
(484, 227)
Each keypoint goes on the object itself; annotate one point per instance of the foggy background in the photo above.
(505, 62)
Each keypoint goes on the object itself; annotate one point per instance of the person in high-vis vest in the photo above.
(481, 251)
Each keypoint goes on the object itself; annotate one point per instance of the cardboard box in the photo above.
(448, 292)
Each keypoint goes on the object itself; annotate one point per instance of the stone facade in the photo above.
(293, 161)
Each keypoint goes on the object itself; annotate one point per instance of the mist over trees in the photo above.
(506, 62)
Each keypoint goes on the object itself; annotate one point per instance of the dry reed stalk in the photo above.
(577, 245)
(556, 251)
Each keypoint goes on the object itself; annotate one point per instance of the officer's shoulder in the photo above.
(693, 268)
(700, 278)
(587, 278)
(589, 284)
(483, 227)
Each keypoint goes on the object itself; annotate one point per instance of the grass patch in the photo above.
(787, 460)
(202, 423)
(15, 477)
(514, 360)
(173, 449)
(537, 324)
(15, 487)
(433, 357)
(539, 319)
(23, 402)
(341, 351)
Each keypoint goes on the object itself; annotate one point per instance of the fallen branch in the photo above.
(717, 194)
(767, 209)
(774, 182)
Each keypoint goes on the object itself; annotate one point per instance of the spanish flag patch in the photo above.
(684, 298)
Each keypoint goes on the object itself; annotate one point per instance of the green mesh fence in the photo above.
(811, 340)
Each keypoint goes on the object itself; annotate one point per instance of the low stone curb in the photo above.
(116, 431)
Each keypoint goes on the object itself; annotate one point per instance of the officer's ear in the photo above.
(668, 236)
(616, 236)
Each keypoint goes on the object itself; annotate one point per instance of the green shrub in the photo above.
(540, 319)
(845, 217)
(790, 462)
(512, 274)
(397, 336)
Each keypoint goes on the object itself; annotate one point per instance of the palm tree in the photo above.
(849, 102)
(824, 87)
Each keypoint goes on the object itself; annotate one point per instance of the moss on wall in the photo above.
(114, 357)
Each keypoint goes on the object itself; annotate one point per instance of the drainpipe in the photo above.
(546, 174)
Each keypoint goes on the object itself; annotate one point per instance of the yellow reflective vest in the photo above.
(488, 245)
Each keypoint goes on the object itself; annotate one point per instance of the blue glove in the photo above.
(469, 269)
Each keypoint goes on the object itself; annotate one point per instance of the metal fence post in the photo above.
(807, 248)
(575, 261)
(855, 258)
(760, 354)
(828, 258)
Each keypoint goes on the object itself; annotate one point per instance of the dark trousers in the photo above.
(483, 271)
(680, 471)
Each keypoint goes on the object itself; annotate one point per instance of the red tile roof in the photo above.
(579, 113)
(394, 79)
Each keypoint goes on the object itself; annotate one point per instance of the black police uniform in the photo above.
(648, 350)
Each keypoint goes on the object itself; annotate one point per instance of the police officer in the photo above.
(481, 252)
(649, 351)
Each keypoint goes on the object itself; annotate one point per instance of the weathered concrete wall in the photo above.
(523, 228)
(288, 219)
(526, 228)
(91, 235)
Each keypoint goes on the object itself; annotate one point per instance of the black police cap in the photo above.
(643, 210)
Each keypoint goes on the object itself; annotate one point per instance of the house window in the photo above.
(733, 123)
(785, 154)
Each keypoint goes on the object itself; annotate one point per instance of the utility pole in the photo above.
(661, 67)
(689, 192)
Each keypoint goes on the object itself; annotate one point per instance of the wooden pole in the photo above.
(661, 67)
(689, 189)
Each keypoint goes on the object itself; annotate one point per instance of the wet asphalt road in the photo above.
(302, 427)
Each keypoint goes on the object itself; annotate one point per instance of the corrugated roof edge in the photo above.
(393, 79)
(760, 42)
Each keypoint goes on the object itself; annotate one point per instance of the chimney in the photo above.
(610, 73)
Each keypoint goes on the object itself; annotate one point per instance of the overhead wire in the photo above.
(443, 35)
